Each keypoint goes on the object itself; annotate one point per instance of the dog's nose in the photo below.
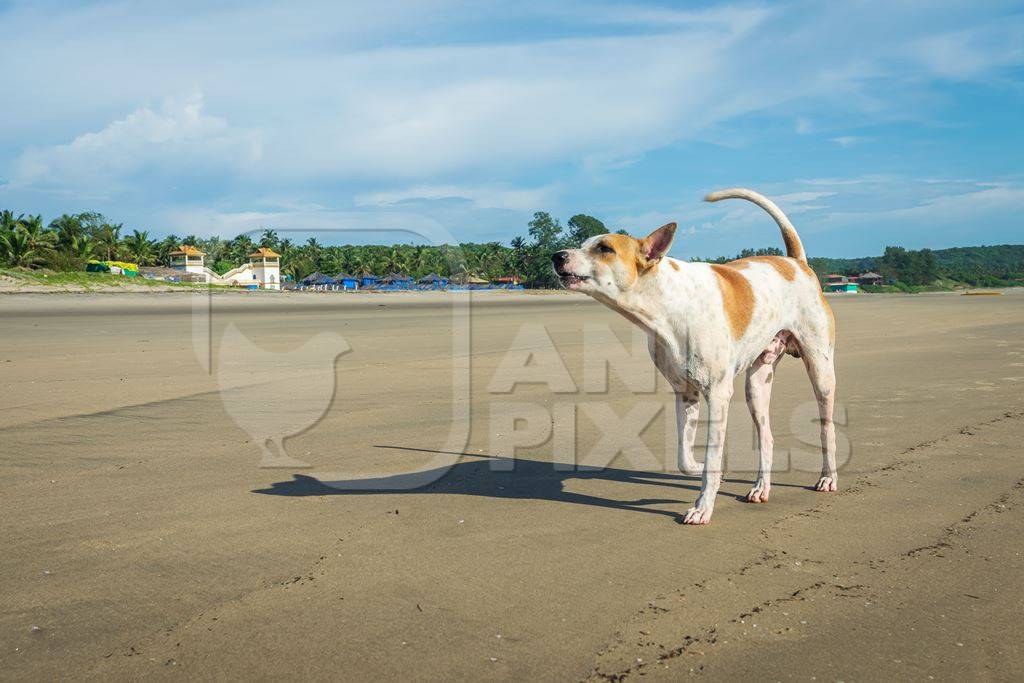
(560, 257)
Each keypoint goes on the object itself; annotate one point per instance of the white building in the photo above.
(263, 269)
(266, 268)
(189, 259)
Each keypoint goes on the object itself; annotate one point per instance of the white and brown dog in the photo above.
(707, 322)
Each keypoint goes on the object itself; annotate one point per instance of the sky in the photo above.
(870, 123)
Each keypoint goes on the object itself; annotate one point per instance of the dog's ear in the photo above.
(656, 245)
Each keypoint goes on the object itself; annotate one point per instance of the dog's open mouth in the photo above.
(571, 280)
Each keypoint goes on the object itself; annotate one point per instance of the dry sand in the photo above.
(141, 539)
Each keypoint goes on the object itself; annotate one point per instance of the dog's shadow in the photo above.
(497, 477)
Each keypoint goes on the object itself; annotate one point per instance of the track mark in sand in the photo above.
(653, 640)
(172, 639)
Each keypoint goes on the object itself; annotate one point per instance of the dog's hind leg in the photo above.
(759, 395)
(687, 412)
(718, 414)
(821, 371)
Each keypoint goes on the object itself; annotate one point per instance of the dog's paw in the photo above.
(759, 492)
(698, 515)
(826, 484)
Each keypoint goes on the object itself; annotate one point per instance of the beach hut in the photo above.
(869, 278)
(347, 281)
(433, 280)
(396, 281)
(310, 279)
(472, 280)
(324, 283)
(840, 283)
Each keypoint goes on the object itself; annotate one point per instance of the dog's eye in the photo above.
(605, 249)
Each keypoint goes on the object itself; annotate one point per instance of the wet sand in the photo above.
(143, 539)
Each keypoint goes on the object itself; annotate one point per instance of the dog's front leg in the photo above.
(687, 412)
(718, 415)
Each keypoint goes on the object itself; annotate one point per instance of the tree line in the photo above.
(987, 266)
(69, 241)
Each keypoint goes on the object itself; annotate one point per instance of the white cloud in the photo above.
(915, 212)
(311, 108)
(845, 141)
(800, 197)
(970, 52)
(966, 207)
(179, 135)
(335, 98)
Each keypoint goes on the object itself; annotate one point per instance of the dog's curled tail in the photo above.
(794, 247)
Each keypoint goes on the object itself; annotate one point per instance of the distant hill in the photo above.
(993, 266)
(1006, 257)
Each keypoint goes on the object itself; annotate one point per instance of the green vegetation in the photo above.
(942, 269)
(84, 280)
(71, 240)
(746, 253)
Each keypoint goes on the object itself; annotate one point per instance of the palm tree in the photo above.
(216, 249)
(240, 248)
(40, 240)
(33, 225)
(140, 247)
(81, 248)
(108, 235)
(67, 228)
(165, 247)
(519, 255)
(396, 260)
(298, 268)
(9, 222)
(268, 239)
(18, 250)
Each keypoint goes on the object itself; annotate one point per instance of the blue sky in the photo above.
(871, 123)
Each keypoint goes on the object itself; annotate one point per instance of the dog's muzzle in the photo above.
(560, 261)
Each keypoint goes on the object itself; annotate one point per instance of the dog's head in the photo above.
(609, 265)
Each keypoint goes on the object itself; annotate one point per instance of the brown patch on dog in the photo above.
(737, 297)
(782, 264)
(808, 270)
(625, 249)
(675, 266)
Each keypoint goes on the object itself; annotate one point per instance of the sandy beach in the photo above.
(142, 538)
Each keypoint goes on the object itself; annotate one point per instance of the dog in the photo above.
(706, 323)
